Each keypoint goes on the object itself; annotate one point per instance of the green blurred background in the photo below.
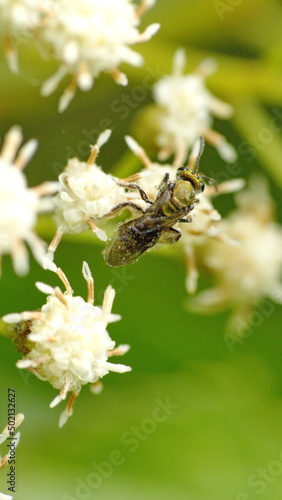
(222, 439)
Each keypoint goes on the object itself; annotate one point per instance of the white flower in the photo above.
(88, 37)
(19, 20)
(19, 205)
(185, 111)
(5, 497)
(206, 223)
(20, 15)
(87, 193)
(68, 343)
(149, 178)
(247, 273)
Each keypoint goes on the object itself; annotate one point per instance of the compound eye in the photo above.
(202, 186)
(180, 170)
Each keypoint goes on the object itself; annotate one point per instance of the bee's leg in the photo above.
(164, 182)
(132, 185)
(189, 219)
(119, 208)
(169, 236)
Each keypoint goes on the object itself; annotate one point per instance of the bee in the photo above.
(174, 201)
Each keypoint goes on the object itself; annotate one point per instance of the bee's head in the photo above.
(185, 174)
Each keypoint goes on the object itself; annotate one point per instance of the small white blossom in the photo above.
(20, 19)
(19, 205)
(185, 111)
(88, 37)
(149, 178)
(20, 15)
(251, 271)
(206, 223)
(87, 194)
(68, 343)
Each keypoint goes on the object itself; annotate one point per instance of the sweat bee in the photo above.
(174, 201)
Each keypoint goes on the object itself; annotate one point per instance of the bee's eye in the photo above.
(202, 186)
(182, 169)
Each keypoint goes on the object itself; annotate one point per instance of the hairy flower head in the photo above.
(85, 37)
(20, 205)
(66, 343)
(20, 20)
(86, 197)
(185, 111)
(250, 271)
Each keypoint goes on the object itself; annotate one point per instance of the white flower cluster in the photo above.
(18, 16)
(251, 270)
(86, 195)
(185, 111)
(206, 224)
(20, 19)
(69, 345)
(19, 205)
(86, 37)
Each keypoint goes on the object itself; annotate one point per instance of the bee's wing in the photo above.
(169, 236)
(128, 243)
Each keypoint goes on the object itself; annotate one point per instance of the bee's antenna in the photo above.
(212, 181)
(201, 149)
(196, 153)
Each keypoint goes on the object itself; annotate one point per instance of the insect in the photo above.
(174, 201)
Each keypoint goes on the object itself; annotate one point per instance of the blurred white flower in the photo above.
(88, 37)
(247, 273)
(185, 111)
(206, 223)
(19, 19)
(20, 15)
(66, 343)
(5, 497)
(86, 195)
(19, 205)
